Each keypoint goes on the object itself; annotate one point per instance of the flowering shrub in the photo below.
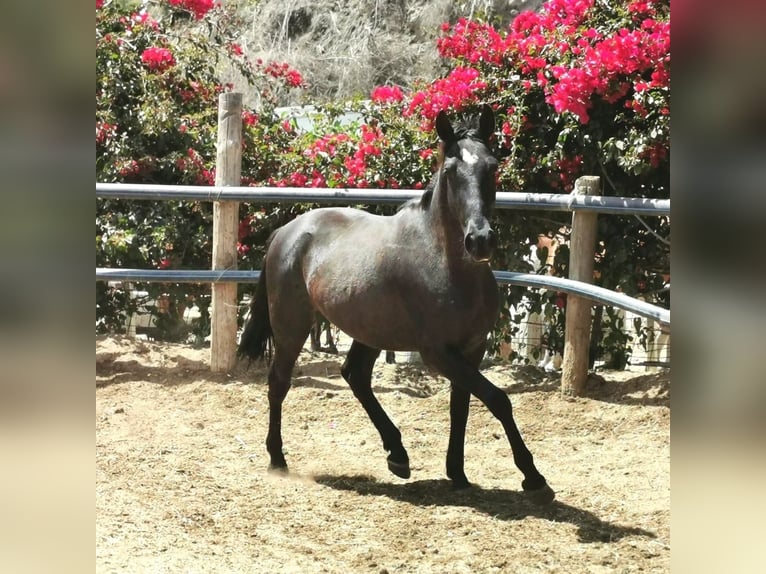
(386, 94)
(602, 70)
(460, 89)
(283, 70)
(356, 155)
(157, 86)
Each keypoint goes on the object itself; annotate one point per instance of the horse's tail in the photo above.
(257, 337)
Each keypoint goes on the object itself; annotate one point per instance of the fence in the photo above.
(584, 203)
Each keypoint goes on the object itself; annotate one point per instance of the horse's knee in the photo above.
(357, 370)
(362, 392)
(497, 402)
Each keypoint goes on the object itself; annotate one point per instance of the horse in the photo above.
(417, 280)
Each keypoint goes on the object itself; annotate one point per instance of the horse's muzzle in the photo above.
(480, 243)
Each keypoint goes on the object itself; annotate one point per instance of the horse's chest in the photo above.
(471, 305)
(465, 306)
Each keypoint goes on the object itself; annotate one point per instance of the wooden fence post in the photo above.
(582, 244)
(228, 170)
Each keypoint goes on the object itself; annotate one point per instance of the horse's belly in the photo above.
(400, 317)
(377, 320)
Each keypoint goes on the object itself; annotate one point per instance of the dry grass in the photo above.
(344, 49)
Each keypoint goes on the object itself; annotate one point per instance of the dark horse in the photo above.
(418, 280)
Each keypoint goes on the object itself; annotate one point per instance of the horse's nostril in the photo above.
(480, 245)
(470, 242)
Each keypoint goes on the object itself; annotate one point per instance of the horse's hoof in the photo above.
(461, 484)
(459, 481)
(278, 469)
(541, 496)
(400, 469)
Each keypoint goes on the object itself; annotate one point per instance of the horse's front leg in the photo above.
(357, 370)
(459, 400)
(463, 374)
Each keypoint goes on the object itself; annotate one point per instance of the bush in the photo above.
(158, 69)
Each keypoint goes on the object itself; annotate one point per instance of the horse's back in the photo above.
(319, 234)
(322, 244)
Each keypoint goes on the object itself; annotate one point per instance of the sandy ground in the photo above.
(182, 486)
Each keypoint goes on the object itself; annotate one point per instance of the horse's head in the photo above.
(468, 178)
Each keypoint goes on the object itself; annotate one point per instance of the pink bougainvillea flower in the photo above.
(142, 18)
(455, 91)
(104, 131)
(473, 42)
(602, 64)
(197, 7)
(386, 94)
(283, 71)
(294, 78)
(249, 118)
(158, 59)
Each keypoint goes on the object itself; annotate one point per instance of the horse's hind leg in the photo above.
(357, 370)
(286, 351)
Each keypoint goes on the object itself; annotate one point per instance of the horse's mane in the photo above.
(424, 201)
(467, 127)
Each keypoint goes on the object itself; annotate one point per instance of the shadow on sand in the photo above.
(498, 503)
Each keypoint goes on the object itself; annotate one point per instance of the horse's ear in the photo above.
(486, 122)
(444, 127)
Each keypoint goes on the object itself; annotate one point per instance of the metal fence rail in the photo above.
(592, 292)
(505, 199)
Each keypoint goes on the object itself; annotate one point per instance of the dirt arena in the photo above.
(181, 481)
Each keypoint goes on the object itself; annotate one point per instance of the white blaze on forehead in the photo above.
(468, 157)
